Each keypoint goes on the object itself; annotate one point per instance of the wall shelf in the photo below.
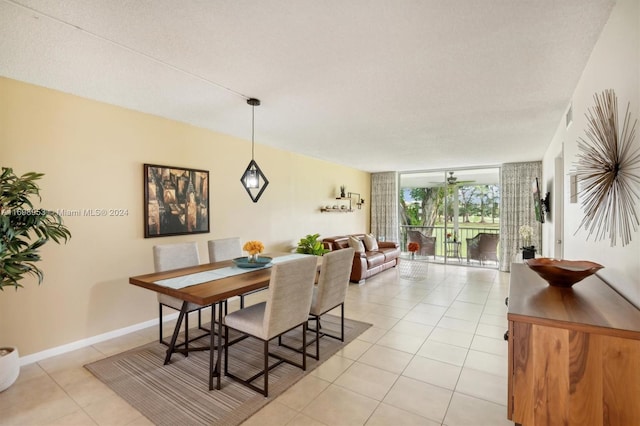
(344, 209)
(332, 210)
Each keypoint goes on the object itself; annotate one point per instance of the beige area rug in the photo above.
(178, 393)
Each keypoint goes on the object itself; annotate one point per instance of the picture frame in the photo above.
(176, 201)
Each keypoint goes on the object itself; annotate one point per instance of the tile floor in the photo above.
(434, 356)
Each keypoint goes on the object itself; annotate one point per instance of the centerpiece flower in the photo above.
(413, 248)
(254, 248)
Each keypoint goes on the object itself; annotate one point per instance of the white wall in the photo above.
(614, 64)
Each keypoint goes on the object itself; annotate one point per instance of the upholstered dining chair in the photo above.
(286, 308)
(224, 249)
(174, 256)
(227, 249)
(331, 291)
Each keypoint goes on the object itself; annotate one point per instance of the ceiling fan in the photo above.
(451, 180)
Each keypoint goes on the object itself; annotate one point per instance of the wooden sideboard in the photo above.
(574, 354)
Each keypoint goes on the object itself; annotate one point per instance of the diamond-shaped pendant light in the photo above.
(253, 180)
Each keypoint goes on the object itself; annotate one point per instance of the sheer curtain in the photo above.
(516, 209)
(384, 205)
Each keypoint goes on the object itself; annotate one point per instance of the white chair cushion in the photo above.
(248, 320)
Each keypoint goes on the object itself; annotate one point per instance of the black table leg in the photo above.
(212, 371)
(215, 370)
(220, 344)
(176, 331)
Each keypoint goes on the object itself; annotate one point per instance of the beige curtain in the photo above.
(517, 209)
(384, 205)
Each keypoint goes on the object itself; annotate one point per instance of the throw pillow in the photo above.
(356, 244)
(370, 242)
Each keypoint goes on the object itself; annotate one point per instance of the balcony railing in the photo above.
(440, 232)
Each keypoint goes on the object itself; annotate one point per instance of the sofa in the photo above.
(366, 263)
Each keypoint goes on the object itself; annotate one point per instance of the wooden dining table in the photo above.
(210, 292)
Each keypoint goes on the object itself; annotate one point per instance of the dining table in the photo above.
(210, 284)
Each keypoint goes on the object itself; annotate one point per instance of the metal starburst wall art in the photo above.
(606, 170)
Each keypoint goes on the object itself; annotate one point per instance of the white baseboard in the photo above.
(59, 350)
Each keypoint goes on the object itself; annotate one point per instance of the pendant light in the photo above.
(252, 177)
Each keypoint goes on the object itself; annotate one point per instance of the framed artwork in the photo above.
(176, 201)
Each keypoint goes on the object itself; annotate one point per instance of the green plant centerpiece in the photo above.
(24, 228)
(311, 245)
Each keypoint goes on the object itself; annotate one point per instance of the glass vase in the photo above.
(253, 258)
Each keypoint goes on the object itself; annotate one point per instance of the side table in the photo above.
(452, 249)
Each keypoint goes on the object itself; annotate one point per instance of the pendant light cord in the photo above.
(253, 115)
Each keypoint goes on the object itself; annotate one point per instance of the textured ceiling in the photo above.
(372, 84)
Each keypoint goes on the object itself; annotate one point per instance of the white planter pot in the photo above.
(9, 366)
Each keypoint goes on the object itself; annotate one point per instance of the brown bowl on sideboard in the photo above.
(561, 272)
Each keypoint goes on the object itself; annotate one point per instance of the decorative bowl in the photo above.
(560, 272)
(243, 262)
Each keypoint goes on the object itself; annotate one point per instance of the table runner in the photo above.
(218, 274)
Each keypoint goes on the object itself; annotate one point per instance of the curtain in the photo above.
(384, 206)
(517, 209)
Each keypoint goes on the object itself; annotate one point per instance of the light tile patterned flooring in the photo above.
(434, 356)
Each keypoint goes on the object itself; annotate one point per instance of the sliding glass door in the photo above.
(443, 211)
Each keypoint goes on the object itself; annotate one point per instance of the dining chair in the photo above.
(174, 256)
(227, 249)
(286, 308)
(331, 292)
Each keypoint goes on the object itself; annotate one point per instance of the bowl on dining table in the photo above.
(562, 272)
(246, 262)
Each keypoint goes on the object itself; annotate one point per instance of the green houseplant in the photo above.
(23, 230)
(311, 245)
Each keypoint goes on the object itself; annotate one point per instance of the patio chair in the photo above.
(287, 307)
(174, 256)
(427, 244)
(483, 247)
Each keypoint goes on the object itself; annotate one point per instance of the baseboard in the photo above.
(59, 350)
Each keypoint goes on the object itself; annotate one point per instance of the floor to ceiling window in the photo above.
(446, 214)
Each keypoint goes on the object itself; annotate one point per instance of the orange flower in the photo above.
(413, 246)
(253, 247)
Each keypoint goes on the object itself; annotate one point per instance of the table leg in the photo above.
(176, 331)
(215, 370)
(220, 344)
(212, 371)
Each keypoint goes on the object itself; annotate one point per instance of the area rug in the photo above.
(178, 393)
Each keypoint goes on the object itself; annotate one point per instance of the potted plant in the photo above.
(528, 250)
(311, 245)
(23, 230)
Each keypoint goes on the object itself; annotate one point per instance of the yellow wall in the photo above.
(92, 155)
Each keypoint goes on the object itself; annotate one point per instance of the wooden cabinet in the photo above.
(574, 354)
